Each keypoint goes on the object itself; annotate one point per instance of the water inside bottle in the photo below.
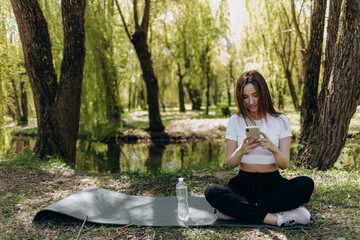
(181, 192)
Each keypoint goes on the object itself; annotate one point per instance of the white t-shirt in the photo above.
(275, 128)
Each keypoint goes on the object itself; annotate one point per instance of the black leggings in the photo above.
(249, 196)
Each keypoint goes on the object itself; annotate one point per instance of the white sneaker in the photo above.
(299, 215)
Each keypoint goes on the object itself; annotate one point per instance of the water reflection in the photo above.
(142, 157)
(146, 157)
(111, 157)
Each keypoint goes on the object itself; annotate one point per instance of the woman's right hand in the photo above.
(248, 145)
(235, 153)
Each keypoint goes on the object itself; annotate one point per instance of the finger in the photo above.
(264, 135)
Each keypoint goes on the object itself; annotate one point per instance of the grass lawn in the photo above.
(27, 185)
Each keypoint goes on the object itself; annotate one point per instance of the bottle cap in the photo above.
(181, 179)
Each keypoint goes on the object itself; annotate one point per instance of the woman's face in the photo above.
(251, 96)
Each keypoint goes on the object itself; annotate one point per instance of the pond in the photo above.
(141, 157)
(147, 157)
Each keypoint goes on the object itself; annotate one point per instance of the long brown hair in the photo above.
(264, 104)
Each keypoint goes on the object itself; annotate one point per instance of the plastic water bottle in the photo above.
(182, 195)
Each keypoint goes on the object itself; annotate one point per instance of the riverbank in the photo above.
(28, 185)
(179, 127)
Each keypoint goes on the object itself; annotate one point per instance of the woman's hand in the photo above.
(235, 153)
(249, 144)
(267, 144)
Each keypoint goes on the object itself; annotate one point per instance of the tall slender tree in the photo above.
(57, 103)
(299, 34)
(139, 41)
(2, 113)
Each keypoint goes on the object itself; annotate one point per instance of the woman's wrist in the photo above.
(274, 149)
(239, 154)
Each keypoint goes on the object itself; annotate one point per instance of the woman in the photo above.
(259, 194)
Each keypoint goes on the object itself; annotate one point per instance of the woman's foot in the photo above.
(299, 215)
(223, 216)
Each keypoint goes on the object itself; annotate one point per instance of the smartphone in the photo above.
(253, 132)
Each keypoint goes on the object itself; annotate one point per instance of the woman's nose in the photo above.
(252, 100)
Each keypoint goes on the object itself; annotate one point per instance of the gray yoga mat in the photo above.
(102, 206)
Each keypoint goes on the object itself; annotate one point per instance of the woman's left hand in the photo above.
(267, 144)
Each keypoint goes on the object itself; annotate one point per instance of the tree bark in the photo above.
(294, 97)
(195, 97)
(181, 89)
(229, 81)
(309, 98)
(24, 104)
(57, 104)
(141, 47)
(342, 96)
(16, 101)
(332, 30)
(69, 92)
(207, 93)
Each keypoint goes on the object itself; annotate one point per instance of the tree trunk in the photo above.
(69, 92)
(195, 97)
(24, 104)
(329, 134)
(332, 29)
(280, 91)
(20, 110)
(216, 96)
(57, 105)
(207, 73)
(181, 90)
(294, 97)
(129, 96)
(141, 47)
(309, 98)
(230, 82)
(16, 101)
(38, 62)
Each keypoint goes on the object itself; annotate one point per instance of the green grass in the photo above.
(29, 184)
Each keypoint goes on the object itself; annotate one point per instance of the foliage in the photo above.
(179, 32)
(270, 45)
(12, 69)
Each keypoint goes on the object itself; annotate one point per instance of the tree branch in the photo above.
(146, 18)
(123, 20)
(136, 17)
(296, 24)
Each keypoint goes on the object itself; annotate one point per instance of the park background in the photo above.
(87, 101)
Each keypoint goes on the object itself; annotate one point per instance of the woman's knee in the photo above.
(306, 184)
(212, 192)
(209, 192)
